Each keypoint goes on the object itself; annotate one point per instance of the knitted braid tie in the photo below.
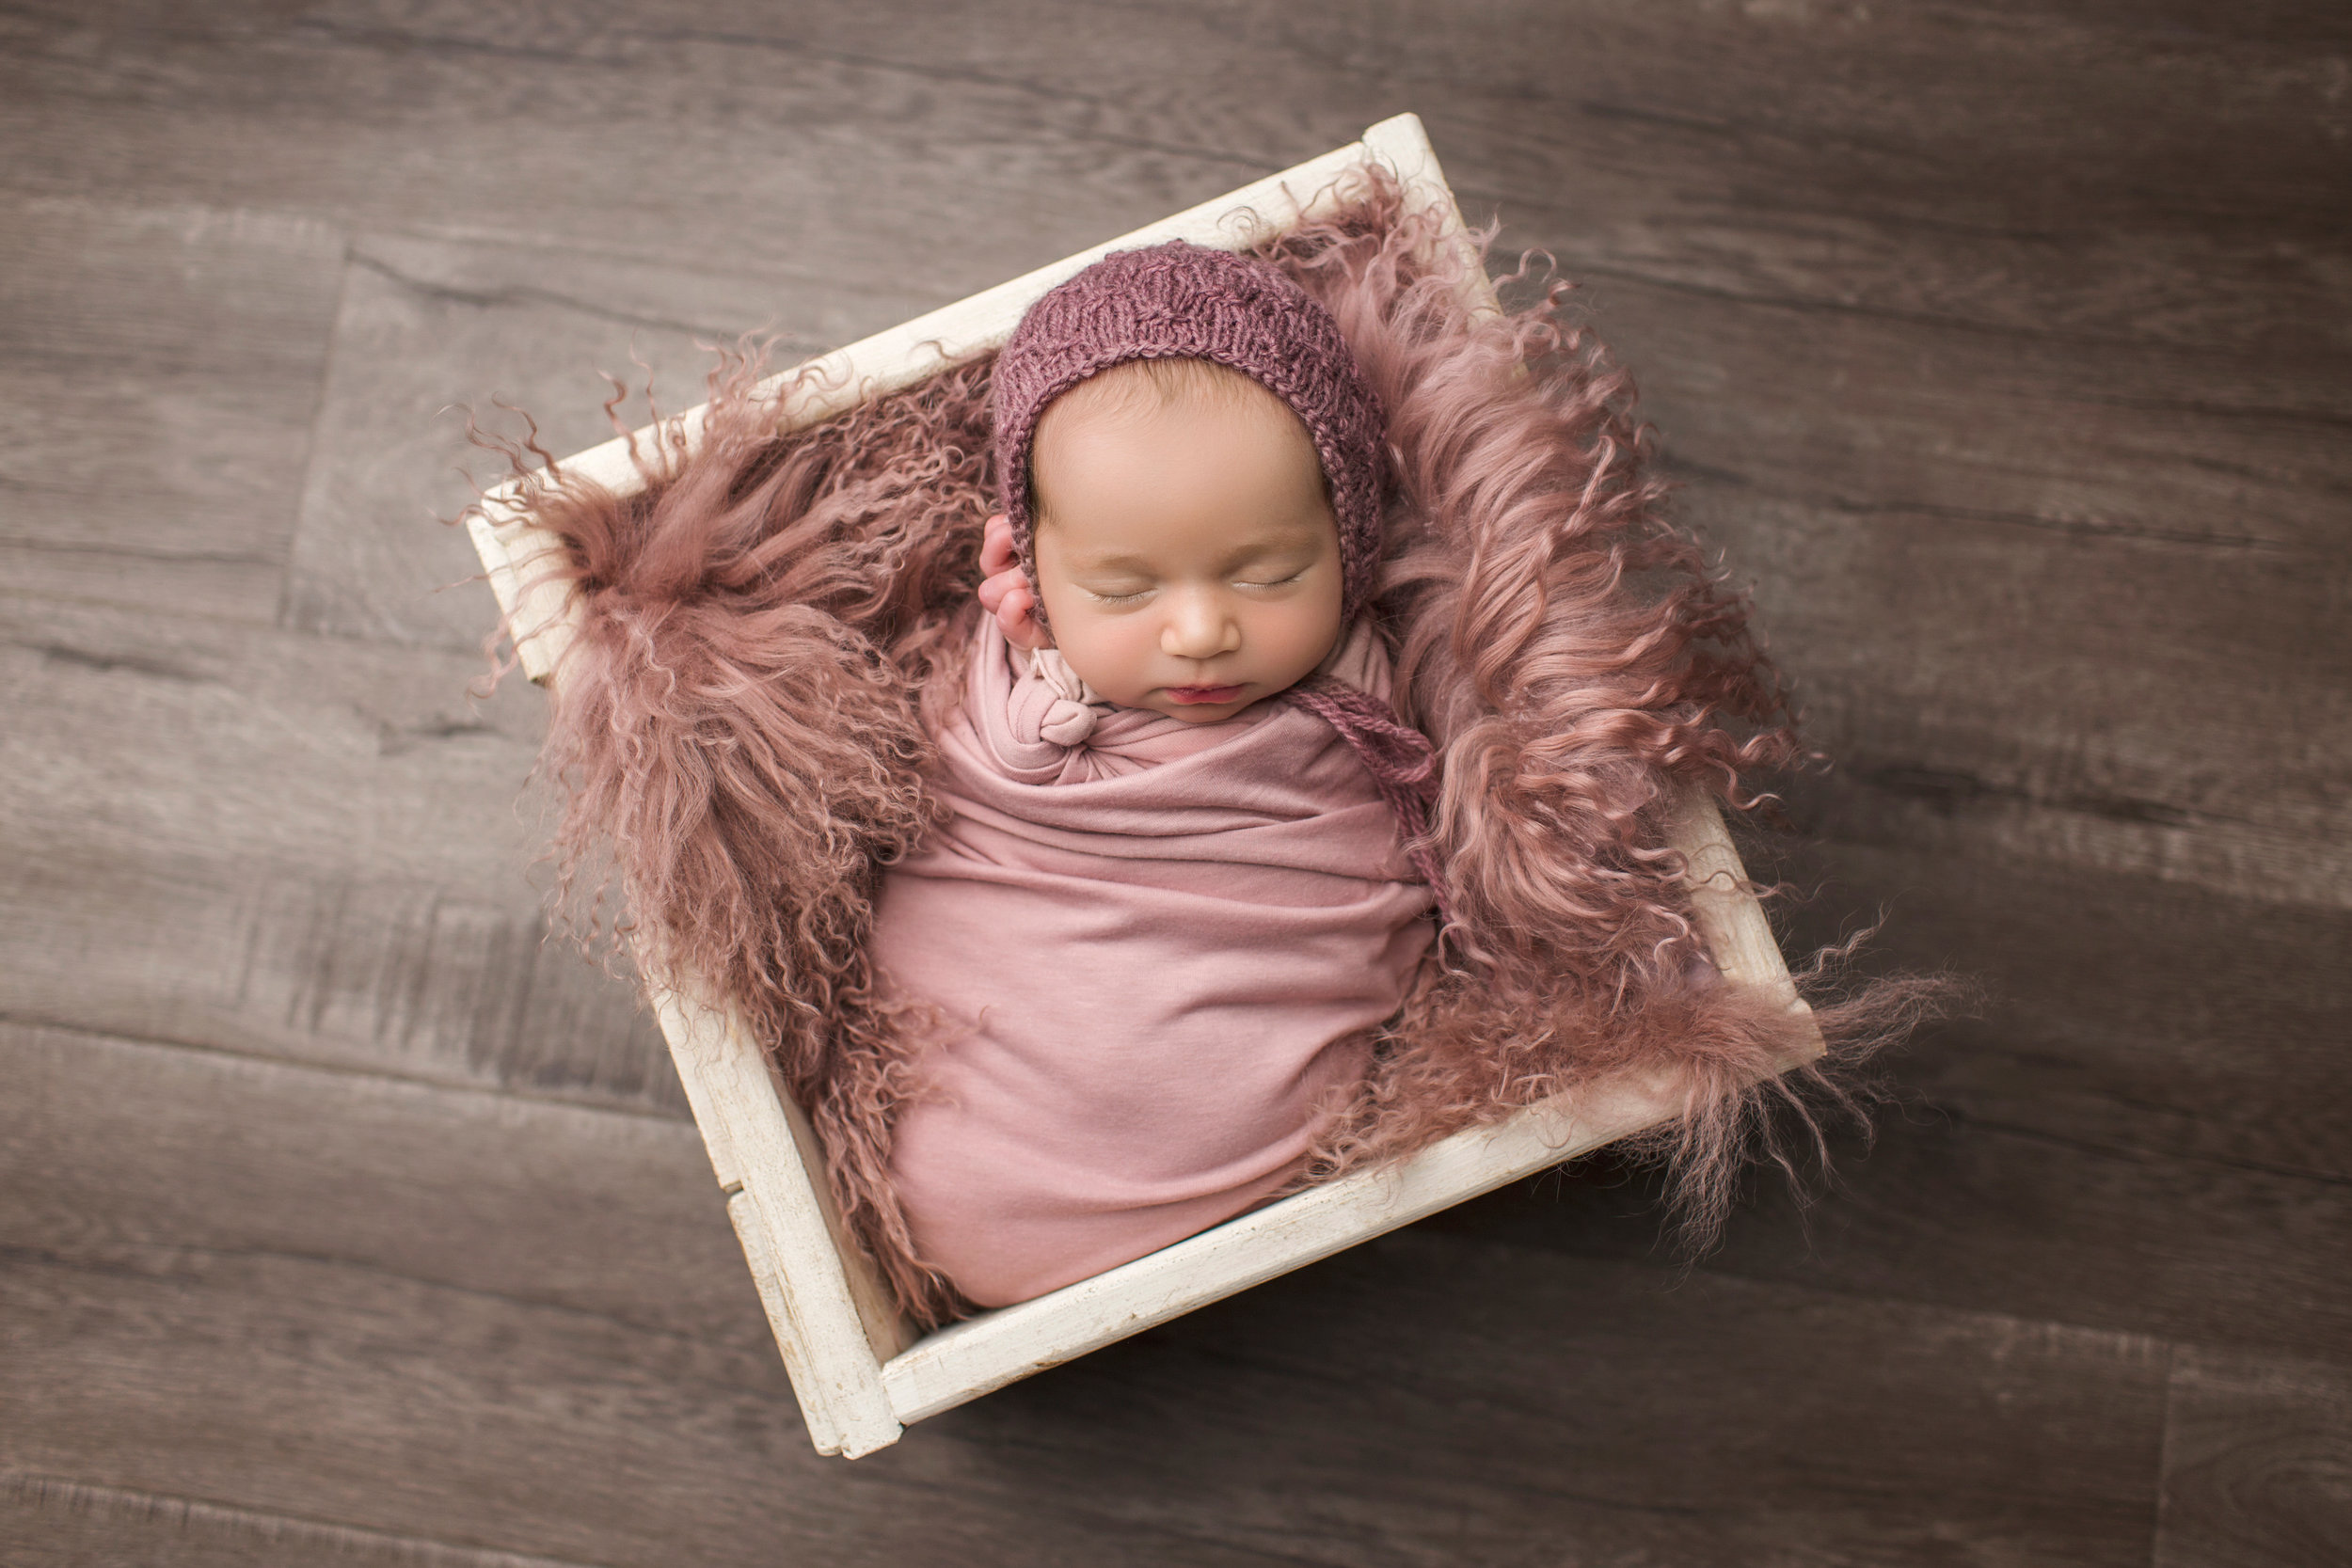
(1399, 757)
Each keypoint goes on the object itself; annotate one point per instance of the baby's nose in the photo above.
(1198, 626)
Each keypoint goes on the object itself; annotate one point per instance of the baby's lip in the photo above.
(1209, 695)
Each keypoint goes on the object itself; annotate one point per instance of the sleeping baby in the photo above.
(1171, 898)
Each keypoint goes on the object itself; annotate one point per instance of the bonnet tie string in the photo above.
(1400, 759)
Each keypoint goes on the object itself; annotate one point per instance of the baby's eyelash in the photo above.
(1140, 594)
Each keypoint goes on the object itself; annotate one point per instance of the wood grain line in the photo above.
(297, 1538)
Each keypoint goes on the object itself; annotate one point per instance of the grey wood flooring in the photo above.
(2005, 348)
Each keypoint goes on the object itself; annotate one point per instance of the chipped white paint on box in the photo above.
(858, 1370)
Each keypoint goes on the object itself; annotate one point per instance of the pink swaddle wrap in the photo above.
(1158, 946)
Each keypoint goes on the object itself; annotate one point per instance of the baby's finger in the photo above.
(996, 552)
(994, 588)
(1013, 613)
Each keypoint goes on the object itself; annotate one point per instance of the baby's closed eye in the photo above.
(1116, 584)
(1260, 579)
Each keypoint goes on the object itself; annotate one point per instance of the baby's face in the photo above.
(1188, 557)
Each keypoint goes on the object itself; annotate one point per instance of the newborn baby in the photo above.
(1170, 901)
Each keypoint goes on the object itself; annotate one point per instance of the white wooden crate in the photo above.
(860, 1371)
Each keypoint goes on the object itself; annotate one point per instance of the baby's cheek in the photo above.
(1133, 653)
(1300, 635)
(1103, 652)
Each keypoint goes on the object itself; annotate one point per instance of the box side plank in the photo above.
(983, 1354)
(812, 1282)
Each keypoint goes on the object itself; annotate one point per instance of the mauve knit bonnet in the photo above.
(1184, 301)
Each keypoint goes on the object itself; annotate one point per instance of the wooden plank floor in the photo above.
(2006, 349)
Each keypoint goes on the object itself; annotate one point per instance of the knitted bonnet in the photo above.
(1184, 301)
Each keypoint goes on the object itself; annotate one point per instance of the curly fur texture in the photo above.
(1576, 664)
(772, 630)
(738, 733)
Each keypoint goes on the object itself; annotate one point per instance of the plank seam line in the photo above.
(38, 599)
(322, 386)
(767, 273)
(934, 73)
(342, 34)
(786, 45)
(345, 36)
(130, 552)
(416, 647)
(419, 647)
(2168, 1448)
(338, 36)
(345, 1069)
(1797, 304)
(1115, 1523)
(2139, 1156)
(2200, 409)
(2072, 527)
(357, 1265)
(523, 293)
(1941, 787)
(2121, 1341)
(38, 1488)
(108, 664)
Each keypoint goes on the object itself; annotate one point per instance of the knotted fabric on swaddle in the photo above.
(1159, 948)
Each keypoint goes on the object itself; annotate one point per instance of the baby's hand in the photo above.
(1005, 590)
